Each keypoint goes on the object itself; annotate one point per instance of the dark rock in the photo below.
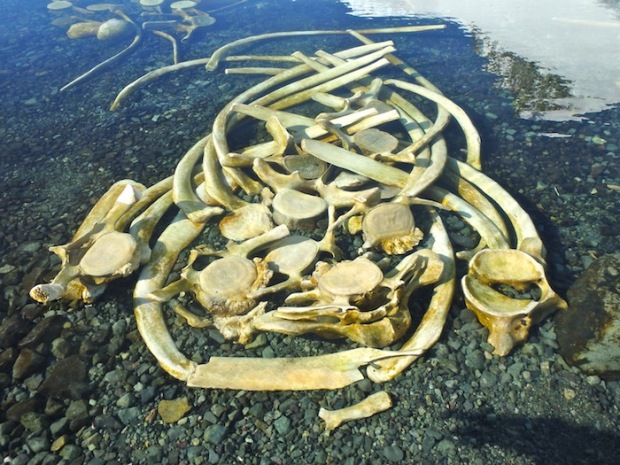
(32, 311)
(589, 330)
(13, 329)
(107, 422)
(27, 362)
(19, 409)
(7, 358)
(45, 331)
(66, 379)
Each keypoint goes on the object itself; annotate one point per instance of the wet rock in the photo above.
(19, 409)
(172, 411)
(77, 410)
(7, 358)
(34, 421)
(45, 331)
(27, 362)
(588, 331)
(12, 330)
(66, 379)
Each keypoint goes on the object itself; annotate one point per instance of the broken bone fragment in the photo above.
(83, 29)
(508, 318)
(371, 405)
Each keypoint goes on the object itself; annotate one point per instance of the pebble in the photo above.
(393, 453)
(215, 434)
(171, 411)
(282, 425)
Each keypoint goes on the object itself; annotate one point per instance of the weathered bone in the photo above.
(371, 405)
(508, 319)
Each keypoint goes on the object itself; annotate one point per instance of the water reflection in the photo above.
(560, 57)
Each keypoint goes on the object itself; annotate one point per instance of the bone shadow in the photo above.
(548, 441)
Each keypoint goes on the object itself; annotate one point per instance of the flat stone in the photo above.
(588, 332)
(12, 330)
(65, 379)
(45, 331)
(393, 453)
(215, 434)
(16, 411)
(172, 411)
(27, 362)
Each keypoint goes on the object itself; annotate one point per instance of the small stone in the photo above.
(282, 425)
(172, 411)
(569, 394)
(488, 379)
(38, 444)
(70, 452)
(59, 443)
(126, 400)
(77, 410)
(34, 422)
(129, 415)
(393, 453)
(28, 362)
(215, 434)
(61, 348)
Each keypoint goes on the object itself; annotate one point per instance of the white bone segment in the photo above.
(371, 405)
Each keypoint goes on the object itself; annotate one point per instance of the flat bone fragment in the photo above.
(371, 405)
(329, 371)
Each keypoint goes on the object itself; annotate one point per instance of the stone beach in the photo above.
(80, 387)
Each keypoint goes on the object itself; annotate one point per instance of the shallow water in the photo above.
(549, 119)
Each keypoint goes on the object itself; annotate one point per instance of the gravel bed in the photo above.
(78, 385)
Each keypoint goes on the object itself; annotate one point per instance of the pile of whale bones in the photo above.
(289, 209)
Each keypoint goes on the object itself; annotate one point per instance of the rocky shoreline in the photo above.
(79, 386)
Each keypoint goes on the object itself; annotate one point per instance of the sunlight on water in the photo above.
(577, 41)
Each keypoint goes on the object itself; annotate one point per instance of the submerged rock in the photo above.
(589, 331)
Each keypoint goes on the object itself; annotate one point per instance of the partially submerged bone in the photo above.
(98, 255)
(371, 405)
(508, 319)
(369, 189)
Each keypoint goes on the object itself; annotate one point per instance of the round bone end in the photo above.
(47, 292)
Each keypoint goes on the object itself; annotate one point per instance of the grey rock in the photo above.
(77, 410)
(38, 444)
(393, 453)
(61, 348)
(70, 452)
(126, 400)
(34, 422)
(128, 416)
(282, 425)
(588, 332)
(215, 434)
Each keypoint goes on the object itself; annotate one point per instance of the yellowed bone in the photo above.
(330, 371)
(375, 403)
